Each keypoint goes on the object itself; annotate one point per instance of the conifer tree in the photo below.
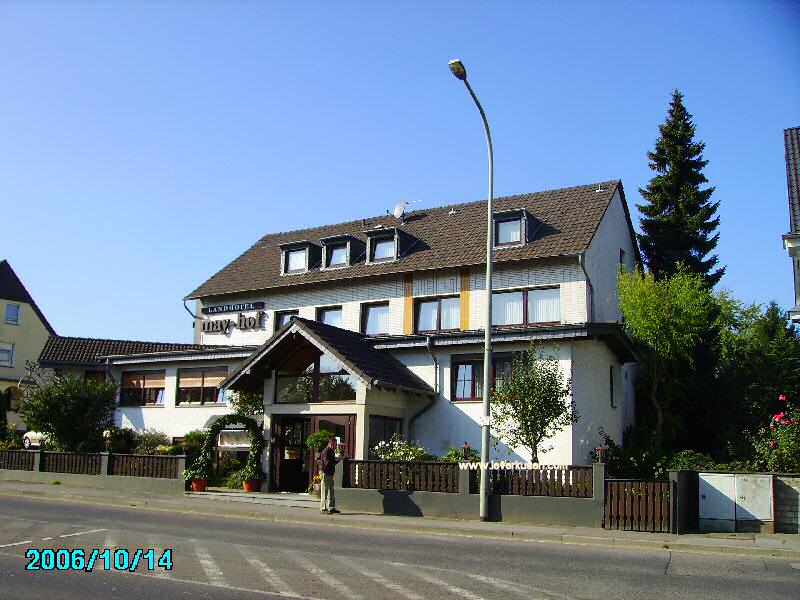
(678, 219)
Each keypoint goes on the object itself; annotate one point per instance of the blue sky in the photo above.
(144, 145)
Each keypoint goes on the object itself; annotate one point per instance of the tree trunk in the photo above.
(534, 453)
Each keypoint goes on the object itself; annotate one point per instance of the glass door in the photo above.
(290, 455)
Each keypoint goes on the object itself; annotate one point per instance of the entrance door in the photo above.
(290, 455)
(343, 427)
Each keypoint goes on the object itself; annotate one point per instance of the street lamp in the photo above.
(458, 69)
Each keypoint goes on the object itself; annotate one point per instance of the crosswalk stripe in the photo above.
(267, 573)
(525, 592)
(380, 579)
(211, 568)
(323, 575)
(441, 582)
(158, 550)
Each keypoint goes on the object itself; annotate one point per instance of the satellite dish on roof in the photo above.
(399, 209)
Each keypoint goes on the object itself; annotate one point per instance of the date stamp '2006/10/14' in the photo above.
(120, 559)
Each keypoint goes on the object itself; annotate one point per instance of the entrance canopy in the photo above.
(302, 341)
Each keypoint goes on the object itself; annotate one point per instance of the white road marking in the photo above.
(324, 576)
(66, 535)
(47, 538)
(16, 544)
(449, 586)
(267, 573)
(380, 579)
(211, 568)
(795, 566)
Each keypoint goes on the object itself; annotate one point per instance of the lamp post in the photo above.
(458, 69)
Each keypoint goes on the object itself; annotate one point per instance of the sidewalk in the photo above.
(303, 510)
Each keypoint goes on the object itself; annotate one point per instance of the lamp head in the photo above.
(458, 69)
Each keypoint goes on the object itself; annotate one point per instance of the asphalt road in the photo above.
(242, 558)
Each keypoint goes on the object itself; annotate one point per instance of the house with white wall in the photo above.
(374, 327)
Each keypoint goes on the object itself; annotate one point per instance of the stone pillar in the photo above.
(105, 464)
(338, 476)
(683, 501)
(37, 459)
(463, 481)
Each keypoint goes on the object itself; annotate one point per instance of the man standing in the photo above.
(329, 460)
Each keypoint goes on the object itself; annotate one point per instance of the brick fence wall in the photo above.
(787, 503)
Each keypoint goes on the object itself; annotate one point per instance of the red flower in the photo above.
(782, 397)
(779, 416)
(772, 443)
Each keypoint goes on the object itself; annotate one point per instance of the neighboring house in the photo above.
(153, 375)
(791, 240)
(23, 332)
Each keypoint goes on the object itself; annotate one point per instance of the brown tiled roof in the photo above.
(11, 288)
(791, 138)
(355, 350)
(569, 218)
(62, 350)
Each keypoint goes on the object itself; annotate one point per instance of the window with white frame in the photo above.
(6, 354)
(526, 307)
(508, 232)
(296, 261)
(283, 317)
(382, 249)
(336, 255)
(12, 314)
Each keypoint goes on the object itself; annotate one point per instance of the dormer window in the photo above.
(299, 257)
(382, 249)
(507, 232)
(336, 256)
(296, 260)
(514, 227)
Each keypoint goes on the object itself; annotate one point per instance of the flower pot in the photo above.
(315, 489)
(199, 485)
(252, 485)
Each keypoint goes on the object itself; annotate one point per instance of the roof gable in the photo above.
(12, 288)
(445, 238)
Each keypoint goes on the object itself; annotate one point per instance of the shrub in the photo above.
(148, 441)
(778, 445)
(227, 464)
(170, 450)
(234, 480)
(317, 441)
(402, 450)
(10, 438)
(123, 439)
(458, 455)
(72, 412)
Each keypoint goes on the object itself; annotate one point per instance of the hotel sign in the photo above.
(229, 308)
(242, 322)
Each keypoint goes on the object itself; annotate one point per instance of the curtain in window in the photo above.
(296, 260)
(451, 313)
(338, 255)
(332, 317)
(426, 320)
(383, 249)
(507, 308)
(544, 306)
(377, 320)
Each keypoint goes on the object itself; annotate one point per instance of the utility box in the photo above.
(739, 502)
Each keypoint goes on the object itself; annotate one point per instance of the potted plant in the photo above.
(251, 477)
(198, 474)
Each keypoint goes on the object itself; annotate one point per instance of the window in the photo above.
(283, 317)
(12, 314)
(382, 249)
(375, 319)
(439, 314)
(467, 374)
(527, 307)
(6, 354)
(381, 429)
(336, 255)
(324, 379)
(201, 386)
(330, 316)
(142, 389)
(296, 261)
(507, 231)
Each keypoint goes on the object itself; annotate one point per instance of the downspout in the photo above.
(582, 265)
(194, 322)
(431, 401)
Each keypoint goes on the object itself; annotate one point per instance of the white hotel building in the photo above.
(375, 326)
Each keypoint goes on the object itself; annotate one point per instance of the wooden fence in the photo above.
(637, 505)
(394, 475)
(17, 460)
(71, 462)
(140, 465)
(571, 482)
